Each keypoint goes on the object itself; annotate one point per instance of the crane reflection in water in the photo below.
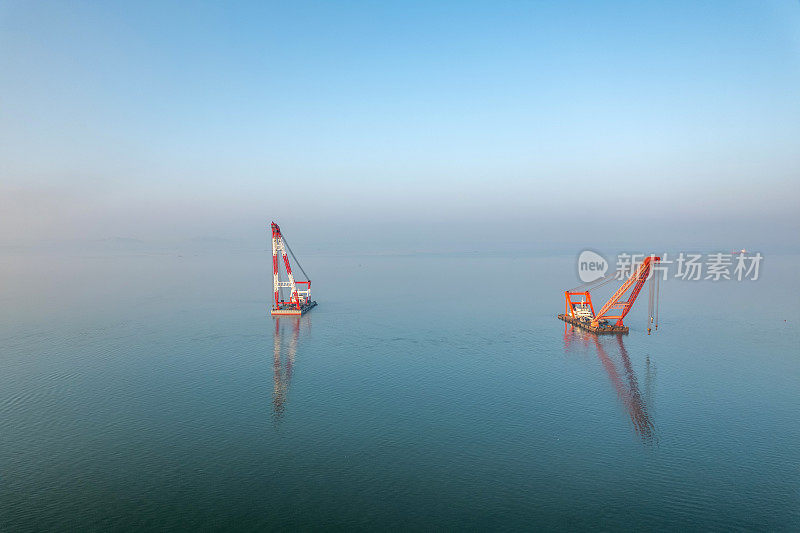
(285, 340)
(627, 385)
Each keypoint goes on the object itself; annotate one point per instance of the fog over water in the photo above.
(401, 128)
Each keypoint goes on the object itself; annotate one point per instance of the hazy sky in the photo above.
(411, 121)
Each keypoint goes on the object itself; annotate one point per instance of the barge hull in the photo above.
(293, 311)
(594, 329)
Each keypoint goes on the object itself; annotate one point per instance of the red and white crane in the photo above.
(581, 312)
(299, 300)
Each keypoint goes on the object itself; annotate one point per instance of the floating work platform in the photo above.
(599, 329)
(299, 302)
(293, 311)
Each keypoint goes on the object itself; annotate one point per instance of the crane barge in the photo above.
(580, 312)
(299, 301)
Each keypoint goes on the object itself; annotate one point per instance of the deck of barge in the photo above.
(293, 311)
(594, 329)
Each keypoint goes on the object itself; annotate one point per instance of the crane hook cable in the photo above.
(295, 259)
(658, 298)
(599, 282)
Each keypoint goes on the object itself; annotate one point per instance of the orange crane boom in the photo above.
(581, 312)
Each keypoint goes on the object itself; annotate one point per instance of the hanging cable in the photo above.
(295, 259)
(588, 284)
(595, 284)
(658, 298)
(650, 306)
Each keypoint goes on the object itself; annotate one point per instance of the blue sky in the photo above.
(678, 121)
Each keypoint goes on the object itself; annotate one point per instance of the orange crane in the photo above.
(581, 312)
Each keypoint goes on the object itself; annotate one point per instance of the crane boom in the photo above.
(581, 311)
(637, 280)
(299, 300)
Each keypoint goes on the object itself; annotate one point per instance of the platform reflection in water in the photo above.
(628, 387)
(285, 340)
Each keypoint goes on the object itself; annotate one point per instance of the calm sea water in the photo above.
(155, 391)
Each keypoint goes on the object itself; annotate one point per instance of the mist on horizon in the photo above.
(415, 127)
